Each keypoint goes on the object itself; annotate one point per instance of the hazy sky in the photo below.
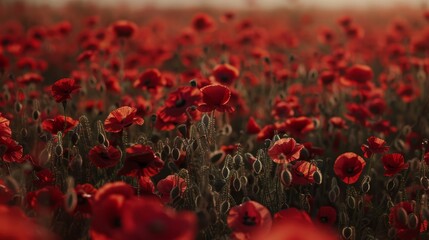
(260, 3)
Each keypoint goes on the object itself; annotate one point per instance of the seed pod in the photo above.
(332, 196)
(391, 184)
(347, 232)
(18, 107)
(286, 177)
(365, 187)
(318, 178)
(225, 171)
(424, 181)
(244, 181)
(237, 160)
(227, 129)
(267, 143)
(175, 193)
(70, 200)
(36, 115)
(351, 202)
(101, 138)
(205, 120)
(59, 150)
(183, 129)
(334, 182)
(224, 207)
(413, 221)
(236, 184)
(276, 138)
(255, 188)
(193, 83)
(75, 138)
(257, 166)
(217, 157)
(402, 216)
(175, 154)
(391, 234)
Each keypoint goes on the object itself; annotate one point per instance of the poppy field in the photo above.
(120, 123)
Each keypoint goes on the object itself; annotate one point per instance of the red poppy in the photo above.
(299, 126)
(358, 75)
(141, 161)
(252, 127)
(249, 220)
(166, 185)
(327, 215)
(29, 78)
(178, 102)
(358, 113)
(10, 150)
(285, 150)
(48, 198)
(282, 109)
(124, 29)
(59, 124)
(150, 79)
(85, 196)
(104, 157)
(62, 89)
(203, 22)
(45, 177)
(348, 167)
(293, 215)
(327, 77)
(393, 164)
(375, 145)
(5, 131)
(225, 74)
(121, 118)
(407, 92)
(215, 97)
(146, 218)
(303, 173)
(146, 186)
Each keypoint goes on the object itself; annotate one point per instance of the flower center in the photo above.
(248, 220)
(180, 103)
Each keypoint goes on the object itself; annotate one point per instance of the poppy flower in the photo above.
(141, 161)
(48, 198)
(5, 131)
(249, 220)
(166, 185)
(178, 102)
(45, 177)
(59, 124)
(225, 74)
(375, 145)
(303, 173)
(150, 79)
(85, 196)
(62, 89)
(215, 97)
(29, 78)
(348, 167)
(299, 126)
(124, 28)
(358, 75)
(327, 215)
(10, 150)
(121, 118)
(285, 150)
(282, 109)
(147, 218)
(252, 127)
(146, 186)
(358, 113)
(292, 214)
(407, 92)
(393, 164)
(104, 157)
(202, 22)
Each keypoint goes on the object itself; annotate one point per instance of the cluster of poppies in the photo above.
(161, 124)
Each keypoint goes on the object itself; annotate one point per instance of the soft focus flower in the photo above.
(375, 145)
(285, 150)
(104, 157)
(121, 118)
(393, 164)
(62, 89)
(225, 74)
(166, 185)
(124, 28)
(59, 124)
(140, 161)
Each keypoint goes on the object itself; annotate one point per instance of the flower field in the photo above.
(120, 123)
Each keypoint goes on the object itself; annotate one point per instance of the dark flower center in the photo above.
(248, 220)
(349, 170)
(180, 103)
(116, 222)
(324, 219)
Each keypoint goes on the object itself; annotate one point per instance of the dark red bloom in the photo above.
(225, 74)
(166, 185)
(48, 198)
(358, 75)
(348, 167)
(104, 157)
(62, 89)
(85, 196)
(393, 164)
(203, 22)
(299, 126)
(178, 102)
(150, 79)
(303, 172)
(28, 78)
(10, 150)
(59, 124)
(375, 145)
(45, 177)
(124, 29)
(285, 150)
(141, 161)
(252, 127)
(327, 215)
(249, 220)
(5, 131)
(121, 118)
(215, 97)
(146, 186)
(292, 215)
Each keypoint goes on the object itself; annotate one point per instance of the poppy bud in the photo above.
(402, 216)
(217, 157)
(224, 207)
(75, 138)
(257, 166)
(236, 184)
(318, 177)
(244, 181)
(351, 202)
(101, 138)
(36, 115)
(225, 171)
(153, 117)
(59, 150)
(286, 178)
(182, 129)
(413, 221)
(193, 83)
(347, 232)
(424, 181)
(18, 107)
(175, 154)
(267, 143)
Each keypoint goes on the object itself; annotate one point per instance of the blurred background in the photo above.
(266, 4)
